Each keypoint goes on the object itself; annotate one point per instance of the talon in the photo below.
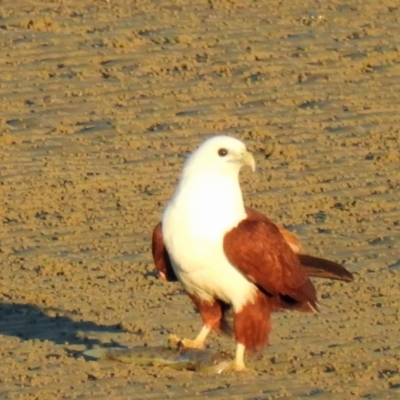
(174, 341)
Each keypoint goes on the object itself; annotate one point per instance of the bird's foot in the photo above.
(228, 366)
(237, 367)
(176, 342)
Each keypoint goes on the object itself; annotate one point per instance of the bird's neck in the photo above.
(213, 200)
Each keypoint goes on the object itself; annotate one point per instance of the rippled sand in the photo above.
(100, 101)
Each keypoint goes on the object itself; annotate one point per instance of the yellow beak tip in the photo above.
(248, 159)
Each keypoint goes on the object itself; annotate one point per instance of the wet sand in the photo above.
(100, 102)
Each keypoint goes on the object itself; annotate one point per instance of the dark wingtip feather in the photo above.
(321, 268)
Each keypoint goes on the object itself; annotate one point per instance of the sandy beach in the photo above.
(101, 101)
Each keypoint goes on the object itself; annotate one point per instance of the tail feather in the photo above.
(321, 268)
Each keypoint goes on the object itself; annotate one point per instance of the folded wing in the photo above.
(258, 250)
(314, 266)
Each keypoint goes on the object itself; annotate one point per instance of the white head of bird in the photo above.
(221, 155)
(208, 195)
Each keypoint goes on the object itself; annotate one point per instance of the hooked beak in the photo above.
(248, 159)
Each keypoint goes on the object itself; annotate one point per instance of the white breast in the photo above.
(194, 224)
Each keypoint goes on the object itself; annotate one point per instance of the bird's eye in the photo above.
(222, 152)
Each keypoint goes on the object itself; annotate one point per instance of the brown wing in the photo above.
(161, 257)
(291, 240)
(290, 237)
(260, 252)
(313, 266)
(321, 268)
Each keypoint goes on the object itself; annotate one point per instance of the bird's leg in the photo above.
(237, 365)
(197, 343)
(252, 324)
(239, 358)
(234, 366)
(211, 314)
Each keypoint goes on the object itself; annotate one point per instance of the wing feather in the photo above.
(291, 239)
(257, 248)
(321, 268)
(161, 258)
(314, 266)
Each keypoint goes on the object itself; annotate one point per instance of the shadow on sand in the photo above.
(27, 322)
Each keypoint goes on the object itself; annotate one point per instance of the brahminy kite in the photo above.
(228, 256)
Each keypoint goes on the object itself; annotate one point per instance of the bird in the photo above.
(230, 257)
